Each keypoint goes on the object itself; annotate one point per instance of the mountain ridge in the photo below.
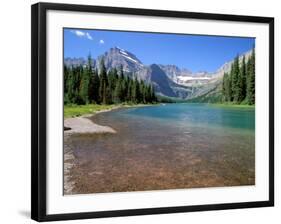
(168, 80)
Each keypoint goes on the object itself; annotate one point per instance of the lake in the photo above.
(170, 146)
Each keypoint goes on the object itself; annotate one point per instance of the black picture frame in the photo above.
(39, 122)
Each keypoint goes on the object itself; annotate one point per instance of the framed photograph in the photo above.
(139, 111)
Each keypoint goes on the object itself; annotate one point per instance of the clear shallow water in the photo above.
(167, 147)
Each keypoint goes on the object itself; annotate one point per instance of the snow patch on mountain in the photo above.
(123, 52)
(130, 58)
(188, 78)
(119, 48)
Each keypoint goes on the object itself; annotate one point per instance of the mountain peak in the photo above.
(126, 54)
(115, 49)
(116, 57)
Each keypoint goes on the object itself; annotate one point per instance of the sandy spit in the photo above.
(84, 125)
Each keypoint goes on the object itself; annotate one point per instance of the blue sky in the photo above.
(194, 52)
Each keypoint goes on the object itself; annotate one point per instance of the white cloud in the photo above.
(80, 33)
(101, 41)
(89, 36)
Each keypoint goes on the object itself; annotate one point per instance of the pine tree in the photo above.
(118, 91)
(94, 87)
(230, 77)
(103, 83)
(251, 79)
(65, 78)
(224, 87)
(65, 89)
(142, 91)
(129, 90)
(70, 86)
(111, 86)
(137, 91)
(235, 80)
(148, 94)
(242, 81)
(123, 89)
(91, 88)
(86, 88)
(152, 97)
(228, 87)
(134, 91)
(78, 77)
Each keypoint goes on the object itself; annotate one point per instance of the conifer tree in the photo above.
(152, 97)
(235, 80)
(129, 90)
(70, 86)
(142, 92)
(84, 87)
(65, 78)
(118, 91)
(94, 87)
(134, 91)
(251, 79)
(228, 87)
(224, 87)
(242, 81)
(103, 82)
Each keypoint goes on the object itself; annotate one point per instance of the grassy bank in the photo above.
(74, 110)
(231, 105)
(78, 110)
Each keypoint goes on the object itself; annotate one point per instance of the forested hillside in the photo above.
(238, 85)
(84, 85)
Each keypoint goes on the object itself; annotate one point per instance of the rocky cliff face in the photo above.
(173, 72)
(117, 57)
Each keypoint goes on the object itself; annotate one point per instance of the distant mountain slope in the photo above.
(173, 71)
(211, 90)
(168, 80)
(161, 81)
(209, 95)
(77, 62)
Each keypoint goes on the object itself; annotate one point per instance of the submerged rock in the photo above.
(66, 128)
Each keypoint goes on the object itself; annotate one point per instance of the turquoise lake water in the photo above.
(168, 146)
(198, 114)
